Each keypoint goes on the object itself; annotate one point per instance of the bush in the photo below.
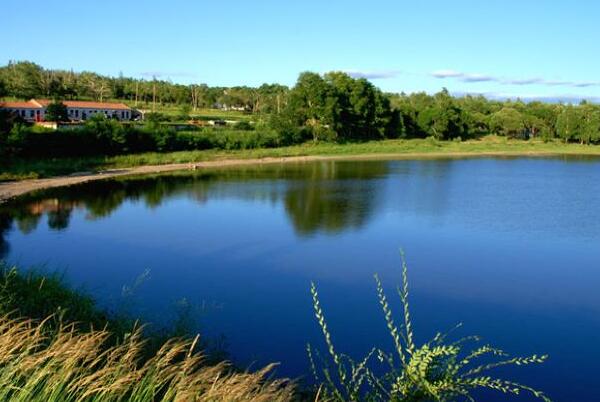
(102, 136)
(244, 125)
(56, 111)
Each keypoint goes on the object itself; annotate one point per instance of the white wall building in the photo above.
(35, 110)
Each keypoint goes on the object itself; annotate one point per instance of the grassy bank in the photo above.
(80, 354)
(21, 169)
(37, 295)
(56, 345)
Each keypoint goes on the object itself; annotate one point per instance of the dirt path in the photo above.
(14, 189)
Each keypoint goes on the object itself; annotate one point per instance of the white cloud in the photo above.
(525, 81)
(475, 78)
(447, 74)
(373, 75)
(530, 97)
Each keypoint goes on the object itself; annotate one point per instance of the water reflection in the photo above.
(5, 226)
(333, 197)
(326, 196)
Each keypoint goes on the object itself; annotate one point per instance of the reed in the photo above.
(73, 366)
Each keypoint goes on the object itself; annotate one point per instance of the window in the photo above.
(23, 113)
(76, 112)
(31, 113)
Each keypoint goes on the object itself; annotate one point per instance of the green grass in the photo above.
(37, 295)
(26, 168)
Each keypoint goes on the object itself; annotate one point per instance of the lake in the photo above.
(508, 247)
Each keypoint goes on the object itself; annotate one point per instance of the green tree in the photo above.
(313, 106)
(443, 119)
(337, 106)
(363, 112)
(23, 79)
(109, 134)
(589, 131)
(3, 91)
(508, 122)
(56, 111)
(568, 123)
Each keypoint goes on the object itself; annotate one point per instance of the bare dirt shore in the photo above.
(14, 189)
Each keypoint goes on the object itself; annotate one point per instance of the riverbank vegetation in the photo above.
(68, 365)
(34, 168)
(56, 346)
(325, 114)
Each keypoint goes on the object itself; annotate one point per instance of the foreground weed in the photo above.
(438, 370)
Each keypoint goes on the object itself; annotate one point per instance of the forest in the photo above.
(331, 107)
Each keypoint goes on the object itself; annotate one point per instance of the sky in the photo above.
(525, 48)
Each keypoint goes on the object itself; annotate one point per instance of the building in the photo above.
(35, 110)
(30, 111)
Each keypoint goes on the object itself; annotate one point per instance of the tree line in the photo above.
(26, 80)
(329, 107)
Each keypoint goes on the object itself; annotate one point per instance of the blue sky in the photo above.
(509, 48)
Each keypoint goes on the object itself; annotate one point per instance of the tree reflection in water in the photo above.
(324, 196)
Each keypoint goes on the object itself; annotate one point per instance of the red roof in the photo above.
(21, 105)
(87, 105)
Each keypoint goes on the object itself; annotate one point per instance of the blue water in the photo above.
(508, 247)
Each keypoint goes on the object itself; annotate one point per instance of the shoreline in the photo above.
(14, 189)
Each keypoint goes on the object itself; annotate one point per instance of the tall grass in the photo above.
(72, 366)
(438, 370)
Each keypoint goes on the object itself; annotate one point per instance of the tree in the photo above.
(272, 98)
(313, 106)
(56, 111)
(568, 123)
(94, 86)
(337, 106)
(109, 134)
(508, 122)
(444, 119)
(590, 125)
(23, 79)
(3, 91)
(196, 95)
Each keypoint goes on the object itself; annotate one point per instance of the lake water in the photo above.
(508, 247)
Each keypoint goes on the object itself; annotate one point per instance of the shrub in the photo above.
(244, 125)
(102, 136)
(435, 371)
(57, 111)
